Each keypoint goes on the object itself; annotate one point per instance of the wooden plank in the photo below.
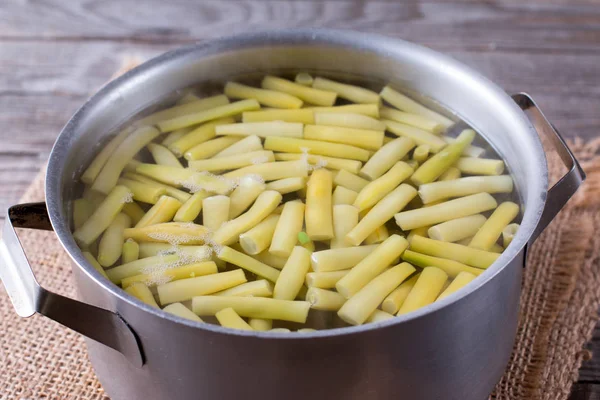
(585, 391)
(492, 25)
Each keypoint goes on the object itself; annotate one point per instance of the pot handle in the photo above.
(28, 297)
(566, 187)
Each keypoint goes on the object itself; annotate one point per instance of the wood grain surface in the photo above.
(54, 54)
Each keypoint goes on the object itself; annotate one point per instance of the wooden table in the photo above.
(54, 54)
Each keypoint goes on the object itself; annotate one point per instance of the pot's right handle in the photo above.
(28, 297)
(566, 187)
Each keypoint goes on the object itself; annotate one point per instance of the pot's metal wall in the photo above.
(458, 352)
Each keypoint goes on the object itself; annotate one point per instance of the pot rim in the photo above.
(346, 38)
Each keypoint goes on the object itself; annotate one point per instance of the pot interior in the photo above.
(431, 78)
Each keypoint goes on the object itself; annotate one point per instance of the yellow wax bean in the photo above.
(371, 266)
(272, 171)
(318, 213)
(151, 264)
(339, 259)
(469, 151)
(451, 174)
(304, 79)
(378, 236)
(210, 148)
(259, 237)
(172, 274)
(435, 166)
(415, 120)
(287, 185)
(131, 166)
(184, 109)
(141, 292)
(163, 211)
(306, 330)
(326, 300)
(457, 229)
(263, 129)
(342, 195)
(491, 230)
(269, 98)
(250, 143)
(227, 110)
(269, 259)
(348, 120)
(355, 94)
(260, 288)
(371, 110)
(171, 191)
(133, 143)
(407, 104)
(182, 311)
(89, 175)
(376, 190)
(198, 136)
(185, 177)
(150, 249)
(82, 210)
(285, 235)
(304, 116)
(293, 145)
(253, 307)
(378, 316)
(248, 263)
(292, 275)
(479, 166)
(452, 251)
(169, 232)
(190, 210)
(322, 161)
(508, 234)
(364, 138)
(345, 218)
(228, 318)
(111, 242)
(419, 136)
(144, 192)
(350, 181)
(187, 98)
(185, 289)
(174, 136)
(134, 211)
(264, 205)
(386, 157)
(435, 191)
(421, 231)
(391, 304)
(309, 95)
(233, 162)
(451, 267)
(384, 210)
(458, 283)
(421, 153)
(324, 280)
(248, 190)
(446, 211)
(425, 291)
(104, 214)
(130, 251)
(90, 258)
(362, 304)
(163, 156)
(259, 324)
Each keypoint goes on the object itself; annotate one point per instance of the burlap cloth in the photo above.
(39, 359)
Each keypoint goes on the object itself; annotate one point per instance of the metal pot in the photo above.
(456, 348)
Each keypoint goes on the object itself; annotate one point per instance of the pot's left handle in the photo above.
(28, 297)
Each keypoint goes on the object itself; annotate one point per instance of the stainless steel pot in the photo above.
(453, 349)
